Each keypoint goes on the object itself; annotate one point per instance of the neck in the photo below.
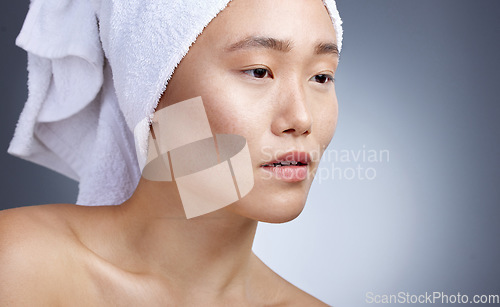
(210, 251)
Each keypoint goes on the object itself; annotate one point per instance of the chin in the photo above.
(277, 207)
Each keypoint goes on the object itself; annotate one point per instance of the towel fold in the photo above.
(97, 70)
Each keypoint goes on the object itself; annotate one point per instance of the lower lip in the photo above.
(288, 173)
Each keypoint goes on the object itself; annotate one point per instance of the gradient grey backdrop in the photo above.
(418, 78)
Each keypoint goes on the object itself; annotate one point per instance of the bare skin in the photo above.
(144, 252)
(67, 255)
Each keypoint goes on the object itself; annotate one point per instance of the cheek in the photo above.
(231, 112)
(325, 121)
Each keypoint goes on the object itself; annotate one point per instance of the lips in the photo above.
(289, 167)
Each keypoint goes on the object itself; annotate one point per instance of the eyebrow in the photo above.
(327, 48)
(279, 45)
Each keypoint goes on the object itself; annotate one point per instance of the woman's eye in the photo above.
(323, 78)
(258, 73)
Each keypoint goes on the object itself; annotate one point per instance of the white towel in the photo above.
(96, 73)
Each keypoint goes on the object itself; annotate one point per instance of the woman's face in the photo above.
(264, 70)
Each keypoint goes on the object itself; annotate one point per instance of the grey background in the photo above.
(417, 78)
(22, 183)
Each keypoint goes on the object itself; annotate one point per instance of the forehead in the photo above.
(300, 21)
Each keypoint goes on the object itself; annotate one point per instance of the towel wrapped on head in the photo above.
(97, 70)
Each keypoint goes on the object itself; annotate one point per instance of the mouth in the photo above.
(290, 167)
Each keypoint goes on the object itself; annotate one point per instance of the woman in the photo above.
(264, 71)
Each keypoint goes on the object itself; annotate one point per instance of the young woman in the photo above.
(264, 70)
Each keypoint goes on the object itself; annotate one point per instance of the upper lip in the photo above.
(292, 156)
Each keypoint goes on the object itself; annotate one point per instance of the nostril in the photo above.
(291, 130)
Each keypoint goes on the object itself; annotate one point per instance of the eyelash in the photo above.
(251, 72)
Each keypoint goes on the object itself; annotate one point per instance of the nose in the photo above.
(292, 116)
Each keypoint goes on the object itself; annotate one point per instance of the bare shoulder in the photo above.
(32, 246)
(33, 227)
(297, 297)
(280, 291)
